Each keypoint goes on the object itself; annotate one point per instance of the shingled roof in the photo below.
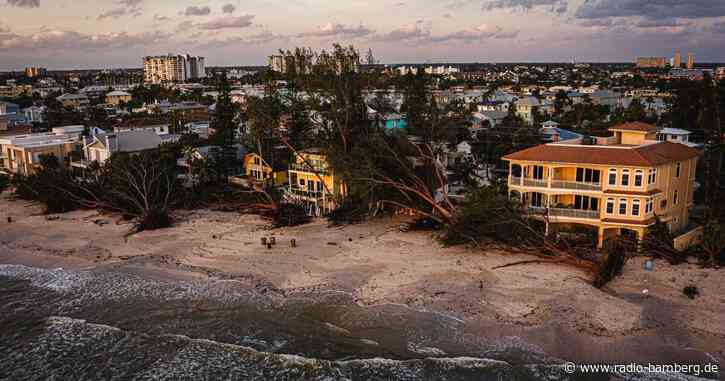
(643, 156)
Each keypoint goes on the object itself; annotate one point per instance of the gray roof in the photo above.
(131, 141)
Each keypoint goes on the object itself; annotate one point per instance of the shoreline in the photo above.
(546, 307)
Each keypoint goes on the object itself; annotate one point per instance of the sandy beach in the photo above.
(641, 316)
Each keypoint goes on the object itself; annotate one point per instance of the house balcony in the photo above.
(566, 213)
(305, 193)
(554, 184)
(306, 168)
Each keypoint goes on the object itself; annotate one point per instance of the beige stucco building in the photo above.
(21, 153)
(615, 185)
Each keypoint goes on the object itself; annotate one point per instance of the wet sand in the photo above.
(549, 310)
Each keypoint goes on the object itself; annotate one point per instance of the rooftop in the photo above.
(635, 126)
(647, 155)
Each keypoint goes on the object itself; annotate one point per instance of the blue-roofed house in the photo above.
(550, 133)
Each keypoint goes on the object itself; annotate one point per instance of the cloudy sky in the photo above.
(117, 33)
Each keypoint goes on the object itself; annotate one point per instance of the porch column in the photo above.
(551, 176)
(600, 237)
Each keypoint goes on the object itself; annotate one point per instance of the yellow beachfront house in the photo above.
(313, 183)
(256, 168)
(616, 185)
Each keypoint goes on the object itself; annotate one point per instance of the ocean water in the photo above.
(68, 325)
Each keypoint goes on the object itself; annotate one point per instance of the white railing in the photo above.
(555, 184)
(562, 212)
(536, 183)
(560, 184)
(307, 168)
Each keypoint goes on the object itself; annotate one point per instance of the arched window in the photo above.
(625, 177)
(623, 206)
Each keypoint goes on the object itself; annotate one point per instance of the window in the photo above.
(612, 177)
(635, 208)
(677, 170)
(587, 175)
(319, 186)
(663, 204)
(674, 198)
(625, 177)
(610, 206)
(622, 206)
(586, 203)
(638, 178)
(538, 172)
(256, 160)
(302, 182)
(652, 176)
(649, 206)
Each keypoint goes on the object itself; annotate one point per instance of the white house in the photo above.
(100, 147)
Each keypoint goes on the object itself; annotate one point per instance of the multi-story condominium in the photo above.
(618, 185)
(173, 68)
(168, 68)
(32, 72)
(313, 183)
(651, 62)
(195, 67)
(21, 153)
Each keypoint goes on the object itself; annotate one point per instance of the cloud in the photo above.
(338, 30)
(184, 26)
(197, 11)
(477, 34)
(228, 23)
(405, 33)
(651, 9)
(229, 8)
(130, 3)
(260, 38)
(128, 7)
(658, 23)
(61, 40)
(555, 6)
(24, 3)
(161, 18)
(718, 27)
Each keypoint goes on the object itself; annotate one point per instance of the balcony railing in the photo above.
(556, 184)
(560, 184)
(304, 192)
(570, 213)
(306, 168)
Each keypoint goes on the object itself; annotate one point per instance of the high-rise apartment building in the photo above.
(651, 62)
(690, 61)
(173, 68)
(677, 61)
(35, 71)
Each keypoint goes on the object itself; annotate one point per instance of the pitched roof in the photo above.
(642, 156)
(635, 126)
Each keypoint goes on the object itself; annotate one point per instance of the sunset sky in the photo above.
(117, 33)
